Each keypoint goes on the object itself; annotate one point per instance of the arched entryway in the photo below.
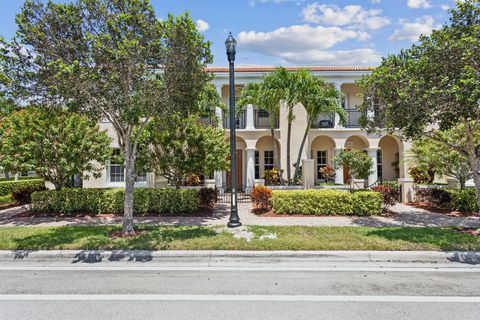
(354, 143)
(322, 152)
(388, 158)
(266, 155)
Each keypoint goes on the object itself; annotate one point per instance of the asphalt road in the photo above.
(239, 288)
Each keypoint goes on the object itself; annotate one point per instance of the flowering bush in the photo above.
(328, 173)
(272, 177)
(193, 180)
(261, 197)
(389, 194)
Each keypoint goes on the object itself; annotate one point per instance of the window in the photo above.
(379, 164)
(321, 162)
(257, 165)
(141, 177)
(268, 160)
(117, 171)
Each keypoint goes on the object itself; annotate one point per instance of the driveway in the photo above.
(404, 216)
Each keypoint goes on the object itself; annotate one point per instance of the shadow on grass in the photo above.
(446, 239)
(94, 239)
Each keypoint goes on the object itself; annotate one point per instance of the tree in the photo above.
(317, 97)
(430, 154)
(359, 164)
(178, 147)
(56, 145)
(433, 86)
(260, 95)
(102, 58)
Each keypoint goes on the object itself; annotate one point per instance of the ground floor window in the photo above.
(268, 160)
(321, 163)
(380, 164)
(117, 170)
(257, 165)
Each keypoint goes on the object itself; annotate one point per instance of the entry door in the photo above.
(239, 172)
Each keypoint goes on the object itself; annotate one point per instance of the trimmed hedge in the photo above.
(102, 201)
(326, 202)
(9, 187)
(453, 199)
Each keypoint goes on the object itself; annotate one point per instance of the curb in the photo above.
(469, 257)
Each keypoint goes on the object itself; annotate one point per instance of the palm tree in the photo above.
(261, 96)
(317, 97)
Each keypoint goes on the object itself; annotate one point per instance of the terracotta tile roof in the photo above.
(311, 68)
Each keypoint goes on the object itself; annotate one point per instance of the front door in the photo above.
(239, 172)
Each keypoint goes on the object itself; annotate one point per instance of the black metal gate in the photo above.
(225, 194)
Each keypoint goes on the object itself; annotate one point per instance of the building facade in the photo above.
(255, 145)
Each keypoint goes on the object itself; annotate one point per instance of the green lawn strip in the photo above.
(204, 238)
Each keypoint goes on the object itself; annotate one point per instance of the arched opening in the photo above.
(354, 143)
(322, 151)
(266, 155)
(388, 159)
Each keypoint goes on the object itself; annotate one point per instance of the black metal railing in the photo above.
(324, 120)
(224, 194)
(208, 119)
(240, 120)
(353, 118)
(262, 119)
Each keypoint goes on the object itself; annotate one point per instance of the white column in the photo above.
(373, 177)
(250, 167)
(338, 171)
(338, 87)
(218, 111)
(249, 125)
(218, 175)
(308, 172)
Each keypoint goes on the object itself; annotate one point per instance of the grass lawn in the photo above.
(204, 238)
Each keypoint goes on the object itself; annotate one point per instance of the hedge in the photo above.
(9, 187)
(103, 201)
(453, 199)
(326, 202)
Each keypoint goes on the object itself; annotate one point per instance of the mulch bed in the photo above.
(8, 205)
(268, 213)
(451, 213)
(120, 234)
(470, 231)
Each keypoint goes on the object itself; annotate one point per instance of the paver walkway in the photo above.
(405, 216)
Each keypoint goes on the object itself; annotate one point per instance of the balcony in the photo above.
(262, 119)
(240, 121)
(208, 119)
(324, 120)
(353, 118)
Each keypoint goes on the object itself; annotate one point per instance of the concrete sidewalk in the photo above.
(404, 216)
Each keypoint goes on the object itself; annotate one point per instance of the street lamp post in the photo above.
(231, 46)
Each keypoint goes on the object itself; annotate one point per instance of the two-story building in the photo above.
(327, 136)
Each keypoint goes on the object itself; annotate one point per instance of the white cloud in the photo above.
(375, 1)
(445, 7)
(411, 30)
(305, 44)
(202, 25)
(353, 16)
(417, 4)
(365, 56)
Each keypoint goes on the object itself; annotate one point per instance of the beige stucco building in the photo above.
(255, 145)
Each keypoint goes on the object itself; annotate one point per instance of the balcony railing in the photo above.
(240, 121)
(324, 120)
(262, 119)
(353, 118)
(208, 119)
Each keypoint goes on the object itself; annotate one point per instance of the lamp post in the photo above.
(231, 46)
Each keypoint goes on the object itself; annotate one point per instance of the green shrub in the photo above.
(101, 201)
(314, 202)
(9, 187)
(6, 199)
(326, 202)
(463, 200)
(366, 203)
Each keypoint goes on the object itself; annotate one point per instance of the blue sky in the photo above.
(298, 32)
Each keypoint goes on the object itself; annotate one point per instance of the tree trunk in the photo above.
(462, 183)
(299, 157)
(129, 187)
(289, 136)
(276, 163)
(474, 160)
(7, 175)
